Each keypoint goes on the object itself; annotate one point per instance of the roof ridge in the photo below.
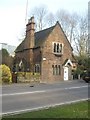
(45, 29)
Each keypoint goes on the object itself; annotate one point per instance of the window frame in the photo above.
(56, 69)
(57, 48)
(37, 68)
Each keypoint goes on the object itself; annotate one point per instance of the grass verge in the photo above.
(74, 110)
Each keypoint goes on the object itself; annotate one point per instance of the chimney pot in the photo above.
(31, 20)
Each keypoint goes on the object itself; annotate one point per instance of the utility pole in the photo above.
(26, 12)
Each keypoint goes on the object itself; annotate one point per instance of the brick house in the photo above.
(47, 52)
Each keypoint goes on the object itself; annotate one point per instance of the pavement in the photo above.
(41, 83)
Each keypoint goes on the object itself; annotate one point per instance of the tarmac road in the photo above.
(19, 98)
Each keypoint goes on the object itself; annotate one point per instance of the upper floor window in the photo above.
(57, 48)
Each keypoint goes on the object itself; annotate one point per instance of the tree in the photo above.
(83, 64)
(68, 22)
(81, 36)
(50, 19)
(75, 28)
(40, 13)
(4, 52)
(6, 58)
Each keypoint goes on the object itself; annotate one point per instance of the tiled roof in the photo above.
(20, 48)
(40, 37)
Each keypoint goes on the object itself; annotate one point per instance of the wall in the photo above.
(49, 59)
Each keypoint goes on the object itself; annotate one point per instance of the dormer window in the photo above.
(57, 48)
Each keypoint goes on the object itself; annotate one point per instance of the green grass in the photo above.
(75, 110)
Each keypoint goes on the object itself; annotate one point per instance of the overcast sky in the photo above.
(13, 13)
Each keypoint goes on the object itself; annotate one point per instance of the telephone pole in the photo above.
(26, 12)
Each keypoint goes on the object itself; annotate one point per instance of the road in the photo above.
(23, 97)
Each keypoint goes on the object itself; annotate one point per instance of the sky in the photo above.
(13, 15)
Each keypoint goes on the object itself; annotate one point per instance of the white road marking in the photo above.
(23, 93)
(76, 87)
(42, 107)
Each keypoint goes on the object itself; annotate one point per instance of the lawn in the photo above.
(74, 110)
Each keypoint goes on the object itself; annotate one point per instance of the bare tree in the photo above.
(81, 36)
(73, 24)
(40, 14)
(63, 18)
(50, 19)
(68, 22)
(75, 28)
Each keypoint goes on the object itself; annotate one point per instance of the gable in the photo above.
(41, 37)
(57, 43)
(68, 61)
(63, 35)
(57, 35)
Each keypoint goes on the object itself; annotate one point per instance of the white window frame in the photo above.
(56, 49)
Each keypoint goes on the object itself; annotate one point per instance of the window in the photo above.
(56, 69)
(57, 48)
(37, 68)
(54, 47)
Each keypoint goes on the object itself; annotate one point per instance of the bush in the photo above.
(5, 74)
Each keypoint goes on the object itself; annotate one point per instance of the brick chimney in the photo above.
(30, 30)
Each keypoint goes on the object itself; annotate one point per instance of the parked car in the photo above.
(86, 77)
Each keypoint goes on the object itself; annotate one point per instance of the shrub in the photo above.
(5, 74)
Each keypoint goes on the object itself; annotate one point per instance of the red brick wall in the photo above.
(51, 59)
(47, 58)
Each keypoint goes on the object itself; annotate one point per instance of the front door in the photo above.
(65, 73)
